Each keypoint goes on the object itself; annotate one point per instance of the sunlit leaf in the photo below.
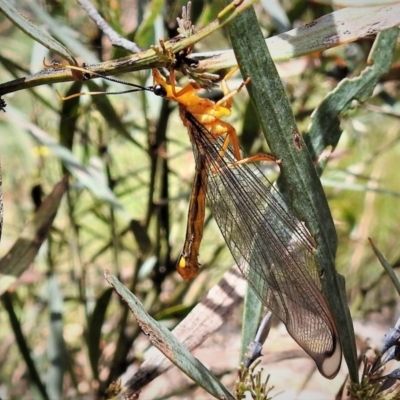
(34, 32)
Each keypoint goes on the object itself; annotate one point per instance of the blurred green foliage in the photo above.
(126, 211)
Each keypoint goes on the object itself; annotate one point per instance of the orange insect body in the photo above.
(206, 111)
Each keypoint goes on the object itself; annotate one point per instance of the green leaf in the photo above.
(34, 32)
(24, 251)
(386, 266)
(23, 346)
(62, 32)
(298, 175)
(209, 315)
(253, 308)
(339, 27)
(167, 343)
(325, 128)
(94, 330)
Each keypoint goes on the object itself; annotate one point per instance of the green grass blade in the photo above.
(163, 339)
(253, 308)
(209, 315)
(62, 32)
(386, 266)
(34, 32)
(22, 344)
(94, 330)
(23, 252)
(297, 170)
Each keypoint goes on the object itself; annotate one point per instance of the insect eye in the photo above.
(159, 91)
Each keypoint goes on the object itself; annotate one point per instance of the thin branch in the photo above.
(115, 38)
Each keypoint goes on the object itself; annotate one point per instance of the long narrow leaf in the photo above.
(167, 343)
(325, 129)
(386, 266)
(332, 30)
(297, 170)
(94, 330)
(35, 32)
(22, 344)
(23, 252)
(251, 318)
(209, 315)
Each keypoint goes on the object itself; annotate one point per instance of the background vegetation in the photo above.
(125, 208)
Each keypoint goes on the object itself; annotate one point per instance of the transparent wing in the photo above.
(272, 248)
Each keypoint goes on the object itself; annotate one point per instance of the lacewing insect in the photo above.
(272, 248)
(208, 113)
